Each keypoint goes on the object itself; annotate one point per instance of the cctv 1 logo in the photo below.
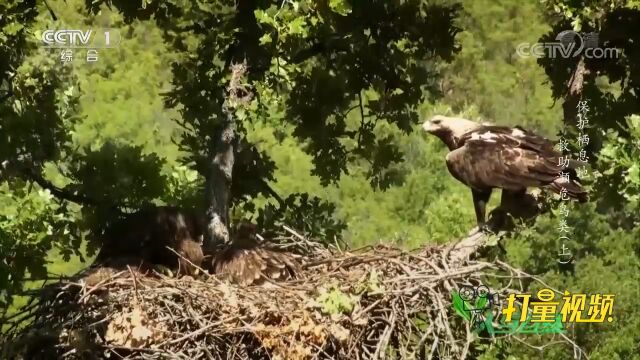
(104, 38)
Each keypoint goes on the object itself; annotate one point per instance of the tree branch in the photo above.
(513, 207)
(29, 173)
(269, 190)
(53, 15)
(64, 194)
(317, 48)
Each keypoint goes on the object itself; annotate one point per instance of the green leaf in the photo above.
(397, 91)
(633, 174)
(336, 302)
(341, 7)
(12, 28)
(298, 26)
(264, 18)
(265, 39)
(492, 240)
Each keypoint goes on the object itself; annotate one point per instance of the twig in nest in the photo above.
(200, 331)
(98, 285)
(201, 270)
(135, 284)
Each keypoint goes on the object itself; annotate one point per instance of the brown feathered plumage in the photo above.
(485, 157)
(247, 262)
(149, 233)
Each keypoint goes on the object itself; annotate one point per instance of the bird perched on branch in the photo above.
(246, 261)
(162, 235)
(484, 157)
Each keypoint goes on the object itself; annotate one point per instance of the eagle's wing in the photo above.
(126, 237)
(247, 265)
(516, 137)
(154, 235)
(490, 159)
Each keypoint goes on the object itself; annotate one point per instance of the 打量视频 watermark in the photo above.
(524, 314)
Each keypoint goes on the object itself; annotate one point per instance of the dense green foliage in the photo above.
(338, 90)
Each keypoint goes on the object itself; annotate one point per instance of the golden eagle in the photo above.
(157, 235)
(153, 236)
(246, 261)
(484, 157)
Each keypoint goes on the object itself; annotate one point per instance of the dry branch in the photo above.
(372, 303)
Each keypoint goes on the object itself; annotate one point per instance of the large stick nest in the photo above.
(371, 303)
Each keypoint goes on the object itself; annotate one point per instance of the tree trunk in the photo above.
(221, 158)
(574, 93)
(221, 161)
(218, 185)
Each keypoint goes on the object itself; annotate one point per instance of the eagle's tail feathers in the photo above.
(573, 189)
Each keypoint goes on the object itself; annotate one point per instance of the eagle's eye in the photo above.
(436, 121)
